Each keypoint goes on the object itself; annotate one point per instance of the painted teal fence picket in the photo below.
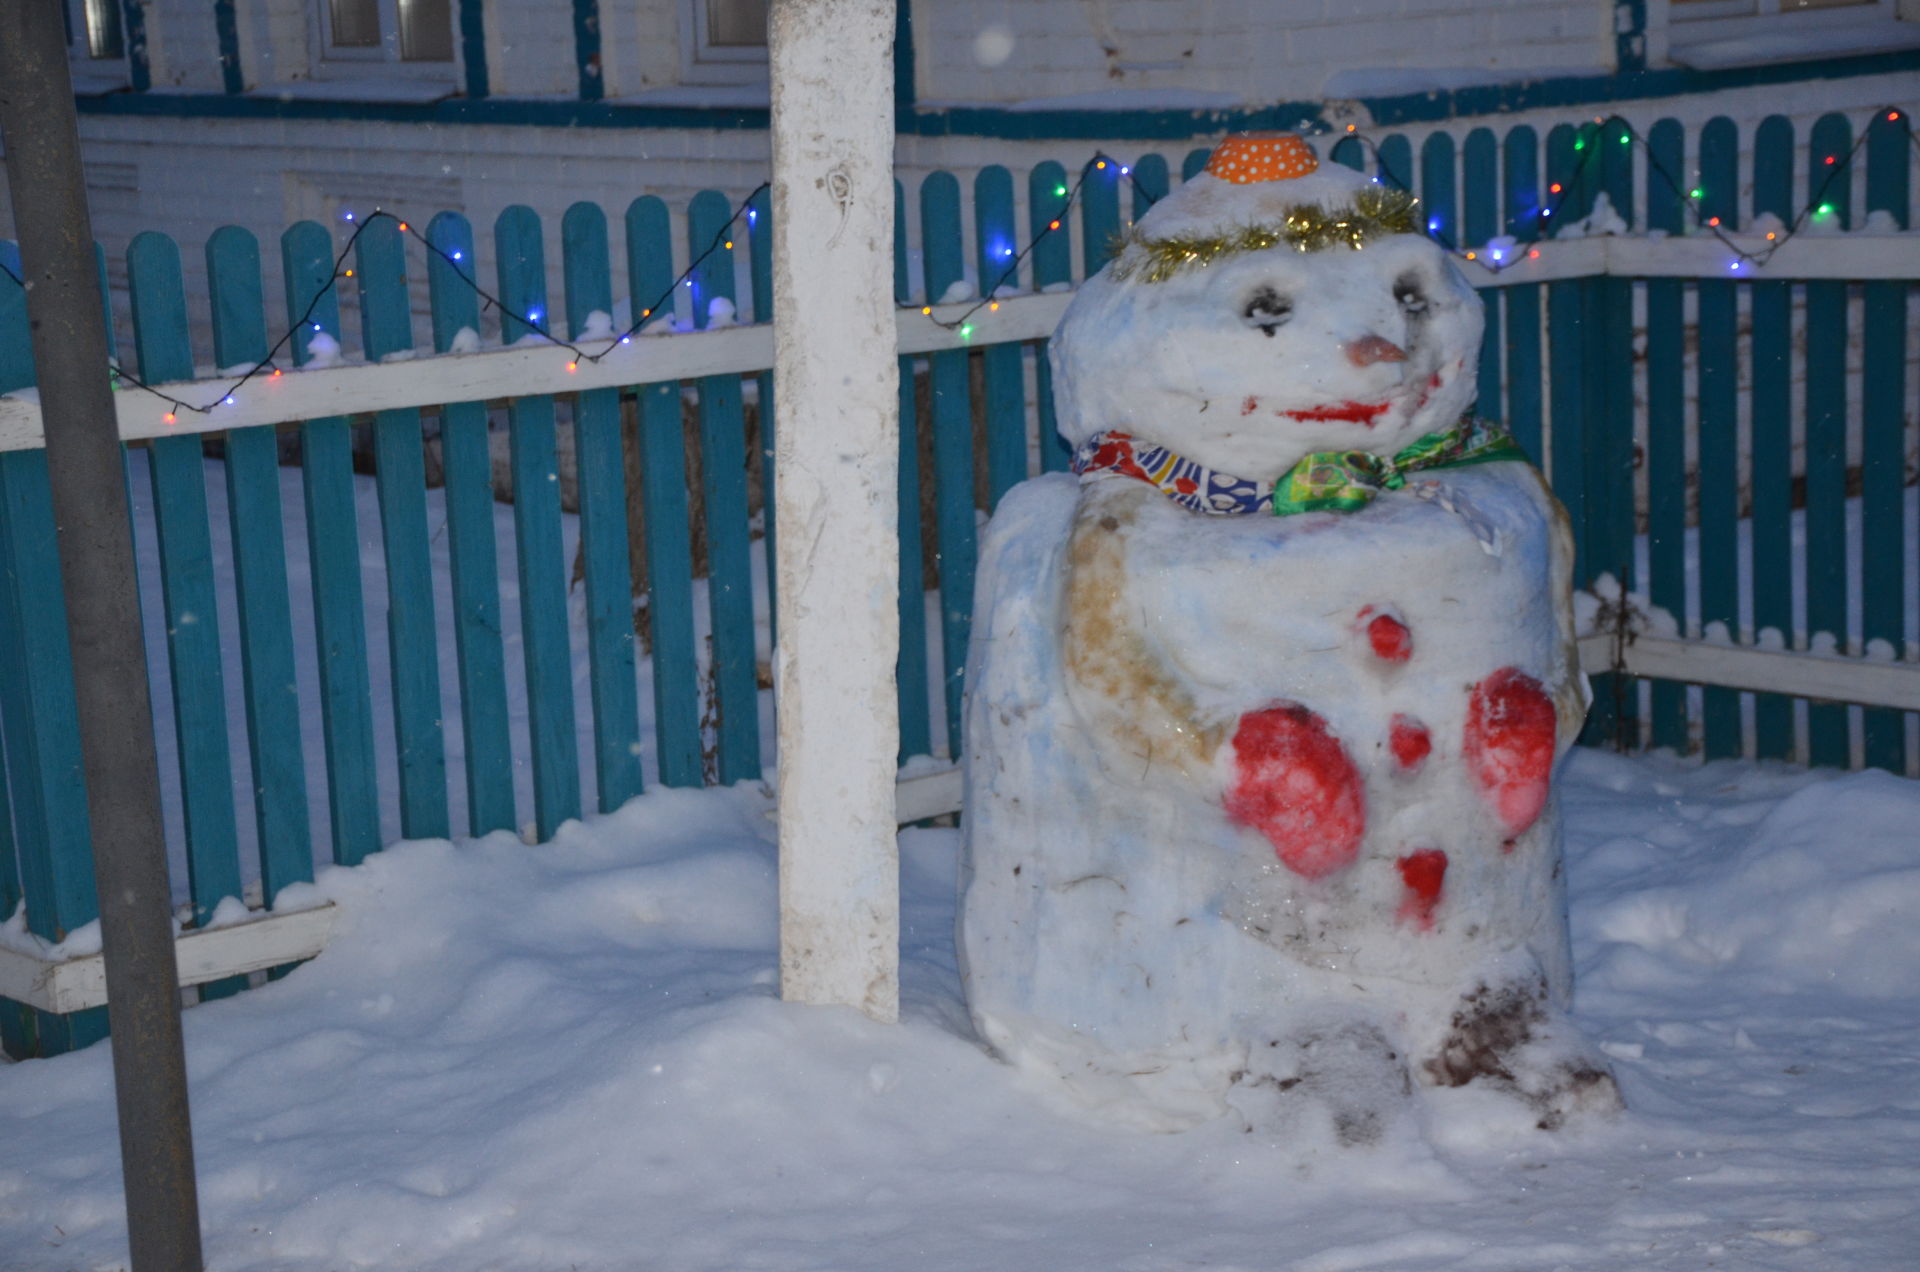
(51, 845)
(386, 328)
(258, 535)
(723, 479)
(472, 553)
(1714, 469)
(333, 554)
(603, 524)
(191, 612)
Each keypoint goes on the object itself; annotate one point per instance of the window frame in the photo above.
(383, 60)
(703, 63)
(1691, 14)
(1674, 33)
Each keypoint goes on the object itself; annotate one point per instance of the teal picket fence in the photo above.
(1724, 448)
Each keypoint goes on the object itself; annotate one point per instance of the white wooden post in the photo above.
(837, 454)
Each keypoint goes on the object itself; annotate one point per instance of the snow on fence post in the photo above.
(835, 511)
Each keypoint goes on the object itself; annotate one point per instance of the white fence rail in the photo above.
(534, 366)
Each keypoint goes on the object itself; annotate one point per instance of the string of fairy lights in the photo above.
(989, 298)
(1496, 259)
(1501, 254)
(455, 257)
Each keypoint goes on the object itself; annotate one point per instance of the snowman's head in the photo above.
(1268, 308)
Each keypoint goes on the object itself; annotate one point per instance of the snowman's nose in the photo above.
(1368, 350)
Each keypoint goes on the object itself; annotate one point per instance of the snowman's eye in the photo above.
(1267, 310)
(1412, 299)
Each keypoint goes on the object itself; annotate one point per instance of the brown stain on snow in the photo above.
(1116, 676)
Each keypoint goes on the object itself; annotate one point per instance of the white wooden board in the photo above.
(1826, 677)
(523, 369)
(255, 944)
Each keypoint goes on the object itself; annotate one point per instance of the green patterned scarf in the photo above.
(1324, 481)
(1344, 481)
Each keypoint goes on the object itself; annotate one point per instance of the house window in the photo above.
(1712, 34)
(388, 30)
(724, 41)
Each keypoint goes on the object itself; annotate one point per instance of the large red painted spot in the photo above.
(1295, 784)
(1509, 745)
(1423, 872)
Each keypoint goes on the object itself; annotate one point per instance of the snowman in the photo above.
(1265, 697)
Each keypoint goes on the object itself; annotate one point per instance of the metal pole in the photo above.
(838, 456)
(110, 672)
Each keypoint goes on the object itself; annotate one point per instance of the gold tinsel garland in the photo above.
(1306, 228)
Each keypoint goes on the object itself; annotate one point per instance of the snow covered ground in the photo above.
(572, 1056)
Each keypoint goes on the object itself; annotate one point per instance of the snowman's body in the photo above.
(1257, 806)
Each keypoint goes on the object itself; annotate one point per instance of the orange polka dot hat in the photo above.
(1260, 190)
(1245, 158)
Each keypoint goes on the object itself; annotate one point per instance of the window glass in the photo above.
(103, 29)
(355, 24)
(737, 23)
(426, 30)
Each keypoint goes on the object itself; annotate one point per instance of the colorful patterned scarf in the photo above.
(1324, 481)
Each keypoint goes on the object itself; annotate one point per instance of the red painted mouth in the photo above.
(1350, 412)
